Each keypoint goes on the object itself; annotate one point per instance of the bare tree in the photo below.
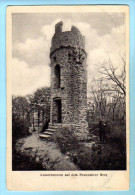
(109, 72)
(109, 91)
(100, 97)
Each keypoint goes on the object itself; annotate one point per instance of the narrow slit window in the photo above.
(57, 76)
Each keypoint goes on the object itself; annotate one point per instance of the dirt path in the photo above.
(45, 153)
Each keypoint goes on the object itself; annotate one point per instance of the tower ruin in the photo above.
(68, 80)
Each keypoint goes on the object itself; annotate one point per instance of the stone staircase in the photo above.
(48, 132)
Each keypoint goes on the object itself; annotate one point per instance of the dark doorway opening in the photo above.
(59, 118)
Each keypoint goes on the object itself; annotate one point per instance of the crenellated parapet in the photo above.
(73, 39)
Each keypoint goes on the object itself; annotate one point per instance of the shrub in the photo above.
(66, 139)
(109, 156)
(118, 136)
(93, 125)
(23, 162)
(99, 157)
(20, 127)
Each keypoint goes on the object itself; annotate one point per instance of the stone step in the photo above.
(44, 135)
(55, 125)
(52, 127)
(52, 130)
(48, 133)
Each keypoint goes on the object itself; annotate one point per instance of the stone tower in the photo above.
(68, 80)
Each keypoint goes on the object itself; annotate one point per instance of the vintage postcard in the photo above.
(67, 98)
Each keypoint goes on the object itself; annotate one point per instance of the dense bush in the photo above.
(23, 162)
(20, 127)
(118, 136)
(98, 156)
(115, 134)
(66, 139)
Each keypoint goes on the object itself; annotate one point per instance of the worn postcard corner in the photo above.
(67, 98)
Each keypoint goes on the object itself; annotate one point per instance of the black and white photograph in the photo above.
(69, 91)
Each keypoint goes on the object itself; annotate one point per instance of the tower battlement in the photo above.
(71, 38)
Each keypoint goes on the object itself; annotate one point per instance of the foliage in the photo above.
(66, 139)
(23, 162)
(20, 117)
(41, 99)
(20, 127)
(20, 107)
(108, 156)
(40, 103)
(23, 109)
(100, 157)
(118, 136)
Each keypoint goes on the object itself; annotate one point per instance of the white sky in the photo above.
(104, 33)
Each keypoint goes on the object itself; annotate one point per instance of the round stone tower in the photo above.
(68, 80)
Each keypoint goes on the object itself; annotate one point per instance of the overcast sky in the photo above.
(104, 34)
